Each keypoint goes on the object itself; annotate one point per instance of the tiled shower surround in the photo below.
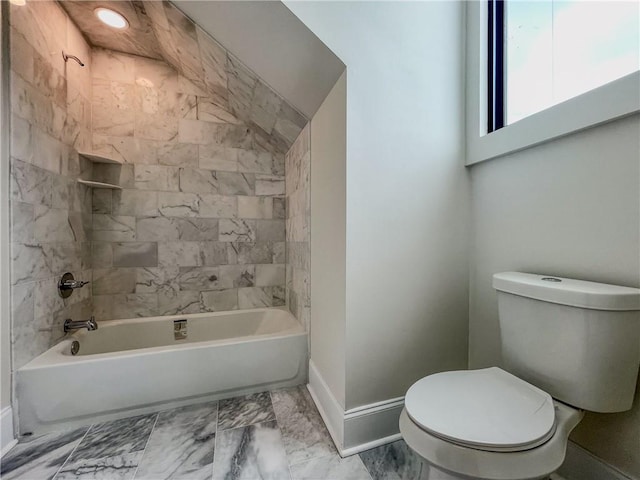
(50, 211)
(200, 222)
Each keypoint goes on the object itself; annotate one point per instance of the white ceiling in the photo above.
(275, 44)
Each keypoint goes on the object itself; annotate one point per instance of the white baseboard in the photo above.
(330, 409)
(7, 441)
(580, 464)
(358, 429)
(346, 452)
(369, 426)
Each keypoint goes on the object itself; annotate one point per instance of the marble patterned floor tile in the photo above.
(274, 436)
(303, 431)
(117, 467)
(245, 410)
(255, 452)
(115, 438)
(393, 461)
(181, 444)
(198, 414)
(332, 467)
(40, 457)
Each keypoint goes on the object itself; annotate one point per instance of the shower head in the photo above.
(73, 57)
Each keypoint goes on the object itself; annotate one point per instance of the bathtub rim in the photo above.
(54, 356)
(118, 321)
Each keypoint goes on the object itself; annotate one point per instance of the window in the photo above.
(571, 81)
(542, 53)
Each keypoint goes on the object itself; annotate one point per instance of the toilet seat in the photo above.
(487, 409)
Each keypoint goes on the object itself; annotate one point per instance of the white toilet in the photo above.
(567, 346)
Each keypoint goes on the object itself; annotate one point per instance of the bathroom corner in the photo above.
(298, 228)
(50, 211)
(6, 411)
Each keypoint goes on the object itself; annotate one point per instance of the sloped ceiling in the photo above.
(282, 55)
(138, 39)
(160, 28)
(269, 38)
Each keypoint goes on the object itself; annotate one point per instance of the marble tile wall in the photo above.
(159, 30)
(232, 87)
(298, 196)
(50, 211)
(199, 224)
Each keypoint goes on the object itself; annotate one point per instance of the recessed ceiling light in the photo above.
(18, 2)
(111, 18)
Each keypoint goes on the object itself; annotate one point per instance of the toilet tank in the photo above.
(579, 341)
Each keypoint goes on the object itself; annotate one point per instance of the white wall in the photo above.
(328, 239)
(406, 264)
(570, 208)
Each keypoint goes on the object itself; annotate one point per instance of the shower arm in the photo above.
(73, 57)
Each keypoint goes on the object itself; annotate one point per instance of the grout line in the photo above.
(289, 463)
(72, 451)
(275, 418)
(245, 426)
(275, 414)
(370, 474)
(215, 441)
(369, 471)
(146, 445)
(261, 422)
(281, 435)
(286, 456)
(331, 454)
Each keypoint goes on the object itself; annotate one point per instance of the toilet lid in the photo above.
(487, 409)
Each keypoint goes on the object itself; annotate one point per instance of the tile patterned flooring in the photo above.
(271, 435)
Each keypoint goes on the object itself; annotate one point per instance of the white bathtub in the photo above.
(136, 366)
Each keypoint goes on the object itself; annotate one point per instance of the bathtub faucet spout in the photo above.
(70, 325)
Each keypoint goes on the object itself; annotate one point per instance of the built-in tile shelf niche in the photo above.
(93, 184)
(92, 157)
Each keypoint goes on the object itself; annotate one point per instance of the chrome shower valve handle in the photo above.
(68, 284)
(72, 284)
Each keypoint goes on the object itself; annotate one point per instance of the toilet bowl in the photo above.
(567, 346)
(483, 424)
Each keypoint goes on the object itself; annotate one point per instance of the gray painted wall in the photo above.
(328, 238)
(407, 237)
(570, 208)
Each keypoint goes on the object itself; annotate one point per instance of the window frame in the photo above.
(495, 65)
(607, 103)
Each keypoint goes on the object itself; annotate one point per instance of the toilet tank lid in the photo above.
(566, 291)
